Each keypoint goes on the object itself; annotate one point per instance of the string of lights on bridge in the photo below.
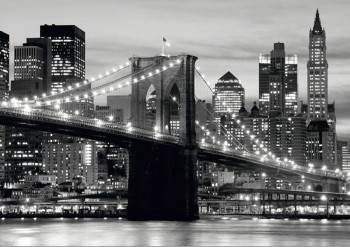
(257, 141)
(16, 103)
(70, 87)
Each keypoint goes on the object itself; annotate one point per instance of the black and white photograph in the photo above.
(175, 123)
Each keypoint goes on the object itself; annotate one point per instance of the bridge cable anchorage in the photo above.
(78, 85)
(261, 146)
(234, 139)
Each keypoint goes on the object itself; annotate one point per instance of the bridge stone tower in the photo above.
(162, 177)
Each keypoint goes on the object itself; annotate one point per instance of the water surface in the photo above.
(208, 231)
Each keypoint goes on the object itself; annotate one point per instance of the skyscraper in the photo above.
(46, 45)
(229, 95)
(4, 64)
(24, 146)
(278, 82)
(317, 72)
(4, 87)
(68, 53)
(28, 77)
(227, 101)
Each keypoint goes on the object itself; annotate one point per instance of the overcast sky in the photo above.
(225, 35)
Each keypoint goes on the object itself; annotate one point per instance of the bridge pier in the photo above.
(162, 183)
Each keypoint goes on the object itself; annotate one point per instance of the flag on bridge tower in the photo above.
(165, 42)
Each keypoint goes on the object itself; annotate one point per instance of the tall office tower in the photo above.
(227, 100)
(228, 96)
(4, 64)
(28, 77)
(4, 87)
(278, 82)
(46, 45)
(68, 67)
(24, 146)
(68, 53)
(317, 72)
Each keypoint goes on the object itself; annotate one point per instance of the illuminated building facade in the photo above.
(278, 82)
(70, 160)
(287, 138)
(4, 87)
(46, 46)
(23, 153)
(4, 64)
(29, 71)
(68, 53)
(24, 146)
(346, 157)
(283, 136)
(317, 72)
(228, 96)
(227, 100)
(320, 144)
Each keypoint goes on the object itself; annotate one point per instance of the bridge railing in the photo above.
(85, 122)
(251, 157)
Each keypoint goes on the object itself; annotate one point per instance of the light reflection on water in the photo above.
(208, 231)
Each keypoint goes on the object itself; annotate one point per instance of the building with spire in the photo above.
(321, 131)
(317, 72)
(278, 82)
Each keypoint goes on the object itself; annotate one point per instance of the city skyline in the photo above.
(217, 30)
(175, 123)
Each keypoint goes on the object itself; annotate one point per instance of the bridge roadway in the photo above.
(95, 129)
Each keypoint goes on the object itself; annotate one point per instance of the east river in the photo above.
(208, 231)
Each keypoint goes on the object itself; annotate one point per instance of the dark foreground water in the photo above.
(208, 231)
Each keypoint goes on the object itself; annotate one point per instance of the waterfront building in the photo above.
(70, 160)
(41, 178)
